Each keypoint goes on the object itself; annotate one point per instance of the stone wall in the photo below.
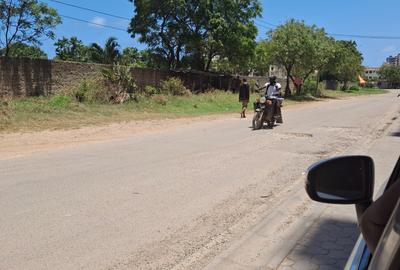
(34, 77)
(25, 77)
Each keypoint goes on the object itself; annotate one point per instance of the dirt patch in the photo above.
(20, 144)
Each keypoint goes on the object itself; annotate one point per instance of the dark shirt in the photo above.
(244, 92)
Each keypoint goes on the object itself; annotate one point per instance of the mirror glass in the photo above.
(344, 179)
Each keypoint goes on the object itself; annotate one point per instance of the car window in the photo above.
(387, 255)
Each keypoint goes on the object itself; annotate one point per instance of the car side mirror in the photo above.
(342, 180)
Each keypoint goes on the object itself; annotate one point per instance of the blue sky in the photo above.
(360, 17)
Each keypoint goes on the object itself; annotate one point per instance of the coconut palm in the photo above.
(110, 54)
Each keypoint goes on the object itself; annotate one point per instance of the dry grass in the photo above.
(64, 112)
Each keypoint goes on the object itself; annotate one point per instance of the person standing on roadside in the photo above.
(244, 96)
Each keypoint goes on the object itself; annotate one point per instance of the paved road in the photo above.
(331, 238)
(182, 198)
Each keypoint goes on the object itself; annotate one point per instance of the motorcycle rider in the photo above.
(272, 91)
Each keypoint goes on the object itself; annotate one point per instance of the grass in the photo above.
(62, 112)
(349, 93)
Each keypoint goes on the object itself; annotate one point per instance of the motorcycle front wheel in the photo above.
(271, 124)
(257, 121)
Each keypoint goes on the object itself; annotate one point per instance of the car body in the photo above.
(350, 180)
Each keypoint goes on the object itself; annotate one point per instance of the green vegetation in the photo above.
(354, 92)
(66, 112)
(304, 50)
(391, 73)
(22, 50)
(193, 33)
(25, 22)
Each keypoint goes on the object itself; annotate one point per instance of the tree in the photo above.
(196, 32)
(110, 54)
(345, 64)
(71, 49)
(25, 22)
(157, 25)
(131, 57)
(391, 73)
(262, 59)
(300, 49)
(23, 50)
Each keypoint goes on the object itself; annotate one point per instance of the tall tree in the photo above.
(26, 22)
(196, 32)
(300, 49)
(345, 64)
(71, 49)
(261, 60)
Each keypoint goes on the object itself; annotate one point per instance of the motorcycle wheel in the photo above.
(271, 124)
(257, 121)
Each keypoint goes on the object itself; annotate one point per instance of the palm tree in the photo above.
(111, 51)
(110, 54)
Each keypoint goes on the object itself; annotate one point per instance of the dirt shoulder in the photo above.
(19, 144)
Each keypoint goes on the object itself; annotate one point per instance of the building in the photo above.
(277, 71)
(393, 60)
(371, 73)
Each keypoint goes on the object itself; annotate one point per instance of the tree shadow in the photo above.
(328, 245)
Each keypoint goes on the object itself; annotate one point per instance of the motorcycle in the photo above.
(267, 110)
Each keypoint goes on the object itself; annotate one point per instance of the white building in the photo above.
(371, 73)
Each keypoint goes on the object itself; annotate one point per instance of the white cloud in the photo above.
(389, 49)
(98, 22)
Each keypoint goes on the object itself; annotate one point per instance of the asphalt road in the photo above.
(173, 199)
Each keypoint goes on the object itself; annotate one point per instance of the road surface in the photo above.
(181, 197)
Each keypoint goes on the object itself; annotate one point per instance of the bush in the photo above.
(160, 99)
(60, 101)
(121, 83)
(310, 87)
(5, 111)
(5, 108)
(354, 88)
(174, 86)
(92, 89)
(150, 90)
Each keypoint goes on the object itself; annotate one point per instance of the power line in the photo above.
(91, 10)
(341, 35)
(93, 23)
(266, 22)
(261, 23)
(364, 36)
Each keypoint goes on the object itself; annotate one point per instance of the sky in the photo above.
(349, 17)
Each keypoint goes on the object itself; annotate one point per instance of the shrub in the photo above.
(160, 99)
(5, 111)
(120, 81)
(91, 89)
(5, 108)
(174, 86)
(150, 90)
(310, 87)
(60, 101)
(354, 88)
